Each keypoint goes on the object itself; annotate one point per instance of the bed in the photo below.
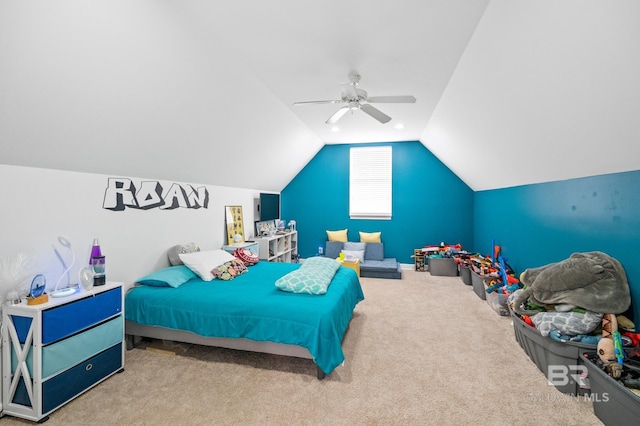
(249, 313)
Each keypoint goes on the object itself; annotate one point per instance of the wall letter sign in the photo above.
(122, 193)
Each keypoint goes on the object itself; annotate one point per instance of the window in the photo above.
(370, 182)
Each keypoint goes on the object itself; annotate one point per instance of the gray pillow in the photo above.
(173, 254)
(333, 249)
(354, 246)
(374, 251)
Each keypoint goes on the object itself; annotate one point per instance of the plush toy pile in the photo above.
(580, 299)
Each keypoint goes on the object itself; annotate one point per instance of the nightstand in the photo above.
(249, 245)
(355, 264)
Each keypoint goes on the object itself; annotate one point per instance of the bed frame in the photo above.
(135, 331)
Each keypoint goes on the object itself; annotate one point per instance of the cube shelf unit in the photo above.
(279, 248)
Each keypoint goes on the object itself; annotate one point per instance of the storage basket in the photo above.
(477, 281)
(613, 403)
(545, 352)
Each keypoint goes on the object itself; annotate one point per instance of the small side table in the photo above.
(355, 265)
(249, 245)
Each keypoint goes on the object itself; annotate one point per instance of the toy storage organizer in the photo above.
(613, 403)
(497, 300)
(477, 281)
(545, 352)
(419, 260)
(443, 266)
(465, 274)
(57, 350)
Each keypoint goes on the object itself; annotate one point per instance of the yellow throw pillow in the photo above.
(337, 235)
(370, 237)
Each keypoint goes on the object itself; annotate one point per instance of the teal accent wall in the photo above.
(430, 203)
(544, 223)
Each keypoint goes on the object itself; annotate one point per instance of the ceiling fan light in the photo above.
(354, 97)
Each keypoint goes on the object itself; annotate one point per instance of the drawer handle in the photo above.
(88, 367)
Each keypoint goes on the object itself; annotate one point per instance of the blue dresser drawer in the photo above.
(65, 386)
(68, 352)
(68, 319)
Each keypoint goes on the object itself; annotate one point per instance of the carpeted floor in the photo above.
(421, 350)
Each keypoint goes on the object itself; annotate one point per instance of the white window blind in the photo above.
(370, 182)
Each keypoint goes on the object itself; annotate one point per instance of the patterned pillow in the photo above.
(247, 256)
(229, 270)
(313, 277)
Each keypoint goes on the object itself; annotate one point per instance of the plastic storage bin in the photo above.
(443, 266)
(497, 300)
(613, 403)
(545, 352)
(477, 282)
(465, 274)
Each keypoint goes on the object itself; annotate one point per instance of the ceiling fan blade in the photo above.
(339, 101)
(375, 113)
(337, 115)
(392, 99)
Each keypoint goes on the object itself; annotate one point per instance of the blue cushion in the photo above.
(173, 276)
(374, 251)
(333, 249)
(388, 264)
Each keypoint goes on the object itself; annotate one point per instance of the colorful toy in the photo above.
(634, 338)
(607, 346)
(617, 342)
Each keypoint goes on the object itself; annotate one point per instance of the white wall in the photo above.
(38, 205)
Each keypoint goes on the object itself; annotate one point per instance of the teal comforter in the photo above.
(251, 307)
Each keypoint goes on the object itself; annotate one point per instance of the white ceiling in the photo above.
(508, 92)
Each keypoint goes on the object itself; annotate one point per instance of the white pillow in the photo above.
(202, 262)
(355, 253)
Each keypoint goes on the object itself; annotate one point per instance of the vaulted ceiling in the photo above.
(508, 92)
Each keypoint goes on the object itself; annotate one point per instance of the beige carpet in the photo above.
(421, 350)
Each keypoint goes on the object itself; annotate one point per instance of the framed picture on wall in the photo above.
(266, 227)
(235, 226)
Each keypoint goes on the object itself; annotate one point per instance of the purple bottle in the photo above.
(97, 264)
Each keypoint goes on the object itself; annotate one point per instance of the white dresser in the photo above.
(53, 352)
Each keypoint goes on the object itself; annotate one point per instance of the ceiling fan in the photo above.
(357, 99)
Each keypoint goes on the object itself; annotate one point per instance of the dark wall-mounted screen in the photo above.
(269, 207)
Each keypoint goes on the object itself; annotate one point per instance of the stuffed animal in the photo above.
(587, 339)
(571, 323)
(625, 323)
(173, 254)
(606, 346)
(594, 281)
